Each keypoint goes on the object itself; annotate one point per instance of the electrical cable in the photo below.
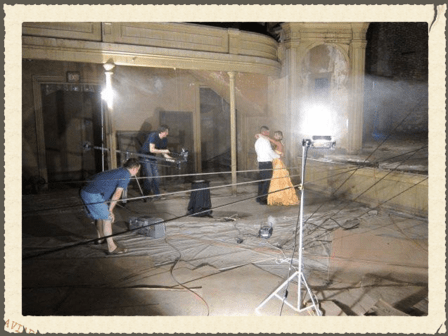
(371, 186)
(178, 175)
(349, 228)
(179, 217)
(179, 258)
(138, 228)
(384, 140)
(152, 196)
(404, 234)
(390, 172)
(188, 289)
(375, 163)
(81, 243)
(177, 192)
(25, 213)
(379, 205)
(405, 153)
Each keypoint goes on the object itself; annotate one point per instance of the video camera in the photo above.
(179, 158)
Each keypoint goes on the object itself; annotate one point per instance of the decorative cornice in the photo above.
(331, 32)
(132, 55)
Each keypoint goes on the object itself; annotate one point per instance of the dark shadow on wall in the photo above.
(143, 133)
(215, 131)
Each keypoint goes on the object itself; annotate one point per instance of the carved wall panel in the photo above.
(73, 30)
(167, 35)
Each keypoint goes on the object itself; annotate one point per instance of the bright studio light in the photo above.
(108, 96)
(319, 120)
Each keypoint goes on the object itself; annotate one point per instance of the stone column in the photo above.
(292, 55)
(293, 115)
(233, 130)
(197, 129)
(107, 95)
(357, 54)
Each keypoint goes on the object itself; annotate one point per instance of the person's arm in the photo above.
(275, 142)
(267, 147)
(154, 150)
(115, 197)
(259, 135)
(278, 144)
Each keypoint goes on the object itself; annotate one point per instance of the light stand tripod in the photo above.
(320, 142)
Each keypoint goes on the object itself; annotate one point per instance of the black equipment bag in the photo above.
(200, 199)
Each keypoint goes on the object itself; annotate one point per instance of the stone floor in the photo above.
(357, 260)
(361, 262)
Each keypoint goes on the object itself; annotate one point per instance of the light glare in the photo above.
(319, 120)
(108, 95)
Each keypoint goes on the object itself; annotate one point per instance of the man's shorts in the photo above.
(95, 205)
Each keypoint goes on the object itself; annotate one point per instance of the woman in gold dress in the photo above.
(280, 177)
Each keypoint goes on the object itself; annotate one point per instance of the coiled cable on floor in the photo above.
(188, 289)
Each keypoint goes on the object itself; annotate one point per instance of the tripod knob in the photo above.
(306, 142)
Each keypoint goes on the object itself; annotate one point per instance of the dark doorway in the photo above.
(215, 131)
(322, 87)
(72, 117)
(180, 136)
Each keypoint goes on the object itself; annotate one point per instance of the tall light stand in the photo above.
(306, 143)
(108, 95)
(102, 135)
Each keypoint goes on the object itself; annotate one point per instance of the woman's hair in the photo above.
(131, 163)
(278, 133)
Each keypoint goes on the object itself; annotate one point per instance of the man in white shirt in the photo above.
(265, 155)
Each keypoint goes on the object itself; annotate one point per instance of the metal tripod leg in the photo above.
(300, 278)
(141, 191)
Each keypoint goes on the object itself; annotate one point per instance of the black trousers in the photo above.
(263, 186)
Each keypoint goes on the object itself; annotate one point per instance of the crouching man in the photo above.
(100, 195)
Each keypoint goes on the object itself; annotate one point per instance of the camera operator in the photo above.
(156, 143)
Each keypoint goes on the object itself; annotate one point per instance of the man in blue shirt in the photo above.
(104, 188)
(156, 143)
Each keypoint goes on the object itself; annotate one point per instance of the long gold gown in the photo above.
(281, 180)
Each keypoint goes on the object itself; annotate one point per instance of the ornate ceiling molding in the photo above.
(152, 45)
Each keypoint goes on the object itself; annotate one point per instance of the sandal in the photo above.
(118, 250)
